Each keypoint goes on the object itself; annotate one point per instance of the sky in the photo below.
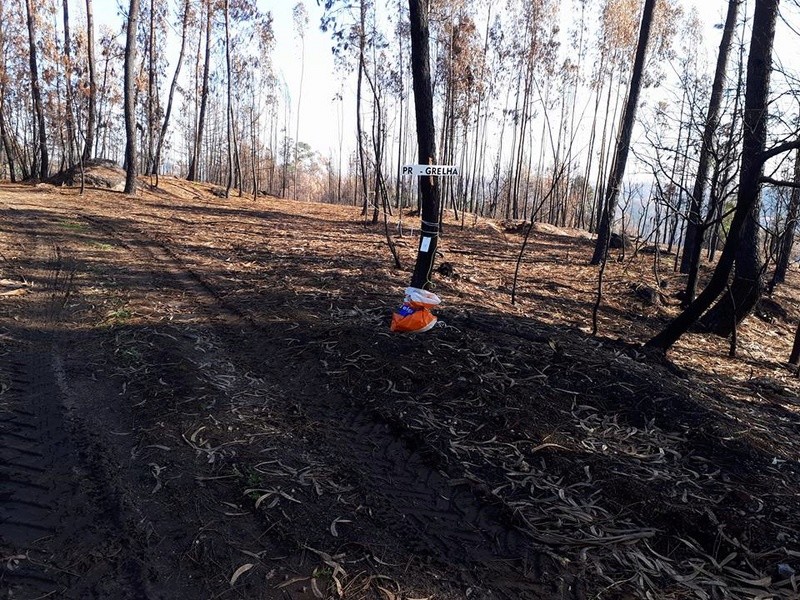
(319, 117)
(321, 84)
(319, 111)
(322, 115)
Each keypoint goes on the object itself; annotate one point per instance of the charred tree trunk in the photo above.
(748, 280)
(201, 119)
(694, 232)
(38, 108)
(794, 358)
(152, 93)
(165, 125)
(130, 98)
(426, 140)
(362, 42)
(4, 137)
(759, 68)
(624, 143)
(7, 146)
(787, 239)
(71, 140)
(228, 104)
(88, 148)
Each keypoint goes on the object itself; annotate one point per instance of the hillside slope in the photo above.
(221, 383)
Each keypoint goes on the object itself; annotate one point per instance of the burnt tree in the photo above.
(695, 231)
(787, 237)
(88, 148)
(624, 143)
(759, 67)
(130, 98)
(165, 125)
(426, 140)
(36, 93)
(4, 136)
(197, 142)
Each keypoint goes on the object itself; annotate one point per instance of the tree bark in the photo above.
(88, 148)
(787, 239)
(694, 232)
(302, 33)
(794, 357)
(624, 143)
(130, 98)
(228, 104)
(165, 125)
(152, 92)
(201, 120)
(759, 68)
(362, 42)
(71, 141)
(44, 163)
(426, 140)
(4, 137)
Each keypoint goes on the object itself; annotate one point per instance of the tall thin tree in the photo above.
(88, 148)
(38, 108)
(426, 140)
(759, 69)
(787, 238)
(624, 142)
(194, 159)
(4, 135)
(165, 125)
(300, 17)
(69, 99)
(229, 97)
(130, 97)
(693, 239)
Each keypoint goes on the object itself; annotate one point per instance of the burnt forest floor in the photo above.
(200, 398)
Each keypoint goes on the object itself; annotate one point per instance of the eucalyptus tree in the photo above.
(196, 144)
(426, 142)
(623, 143)
(69, 104)
(535, 53)
(8, 148)
(300, 19)
(131, 27)
(228, 97)
(41, 165)
(91, 116)
(458, 82)
(746, 287)
(786, 240)
(616, 42)
(695, 231)
(185, 14)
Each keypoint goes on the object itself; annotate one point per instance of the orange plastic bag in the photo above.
(415, 315)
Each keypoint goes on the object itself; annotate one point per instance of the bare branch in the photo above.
(779, 149)
(779, 183)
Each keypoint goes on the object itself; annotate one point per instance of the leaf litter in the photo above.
(647, 479)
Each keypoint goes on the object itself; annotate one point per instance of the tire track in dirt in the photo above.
(445, 521)
(60, 523)
(55, 522)
(35, 463)
(437, 516)
(27, 491)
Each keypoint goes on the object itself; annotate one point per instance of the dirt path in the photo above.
(63, 529)
(200, 399)
(75, 472)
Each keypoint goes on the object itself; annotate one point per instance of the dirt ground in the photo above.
(200, 398)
